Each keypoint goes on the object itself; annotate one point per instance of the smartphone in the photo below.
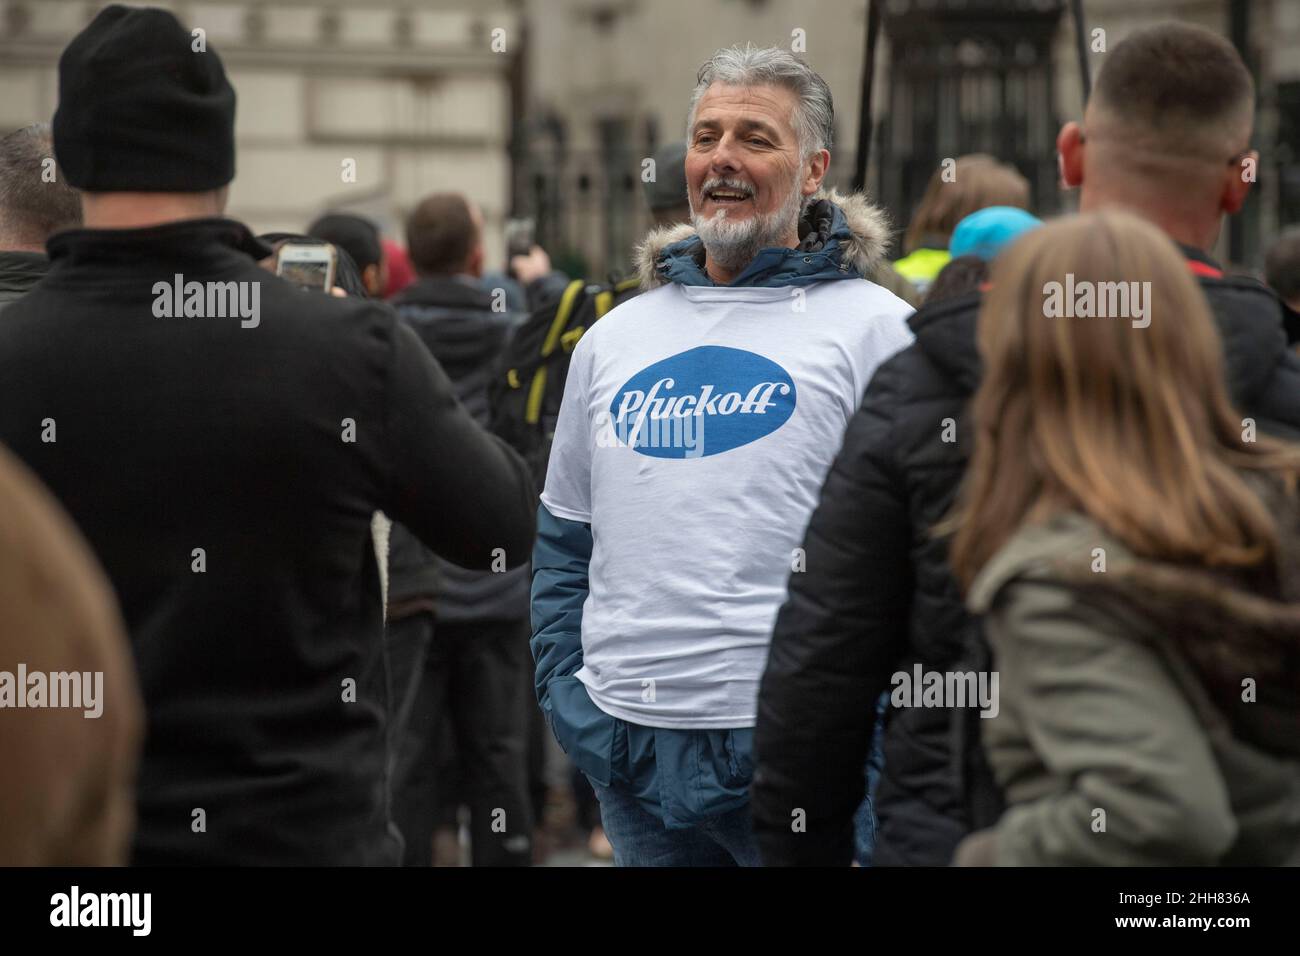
(519, 236)
(308, 265)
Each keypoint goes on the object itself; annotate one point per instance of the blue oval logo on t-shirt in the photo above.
(702, 402)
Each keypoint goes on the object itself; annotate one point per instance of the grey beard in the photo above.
(733, 245)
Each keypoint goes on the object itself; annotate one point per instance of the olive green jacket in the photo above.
(1149, 714)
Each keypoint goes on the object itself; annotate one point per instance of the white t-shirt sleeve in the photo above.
(568, 473)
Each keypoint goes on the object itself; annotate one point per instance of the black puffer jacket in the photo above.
(877, 597)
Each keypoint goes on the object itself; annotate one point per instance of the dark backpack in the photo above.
(525, 395)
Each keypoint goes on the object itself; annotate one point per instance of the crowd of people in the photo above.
(779, 551)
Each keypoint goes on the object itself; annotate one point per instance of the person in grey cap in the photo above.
(222, 439)
(665, 193)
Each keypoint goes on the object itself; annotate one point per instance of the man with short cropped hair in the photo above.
(1165, 135)
(36, 201)
(444, 236)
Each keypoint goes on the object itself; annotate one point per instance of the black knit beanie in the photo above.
(140, 110)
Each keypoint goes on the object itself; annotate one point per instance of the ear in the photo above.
(370, 278)
(474, 264)
(1237, 180)
(220, 197)
(818, 163)
(1069, 154)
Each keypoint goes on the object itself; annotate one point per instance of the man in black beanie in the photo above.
(222, 438)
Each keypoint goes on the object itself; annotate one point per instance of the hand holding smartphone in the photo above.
(308, 265)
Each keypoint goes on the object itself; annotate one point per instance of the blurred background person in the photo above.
(956, 189)
(1282, 273)
(70, 777)
(530, 280)
(961, 276)
(398, 268)
(665, 193)
(35, 202)
(460, 635)
(359, 238)
(1159, 685)
(976, 242)
(986, 232)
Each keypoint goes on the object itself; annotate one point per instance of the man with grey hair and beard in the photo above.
(698, 422)
(35, 203)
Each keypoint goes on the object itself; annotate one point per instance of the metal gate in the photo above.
(967, 77)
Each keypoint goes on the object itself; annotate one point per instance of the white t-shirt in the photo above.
(697, 427)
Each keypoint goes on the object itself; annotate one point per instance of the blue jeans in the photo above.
(640, 838)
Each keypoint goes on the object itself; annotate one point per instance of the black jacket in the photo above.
(454, 318)
(178, 434)
(877, 597)
(19, 271)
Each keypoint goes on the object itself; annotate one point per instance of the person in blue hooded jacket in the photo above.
(698, 422)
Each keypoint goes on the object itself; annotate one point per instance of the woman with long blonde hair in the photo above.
(1135, 546)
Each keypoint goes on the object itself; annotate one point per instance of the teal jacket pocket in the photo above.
(583, 730)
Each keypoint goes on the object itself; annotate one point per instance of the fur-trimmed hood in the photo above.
(842, 236)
